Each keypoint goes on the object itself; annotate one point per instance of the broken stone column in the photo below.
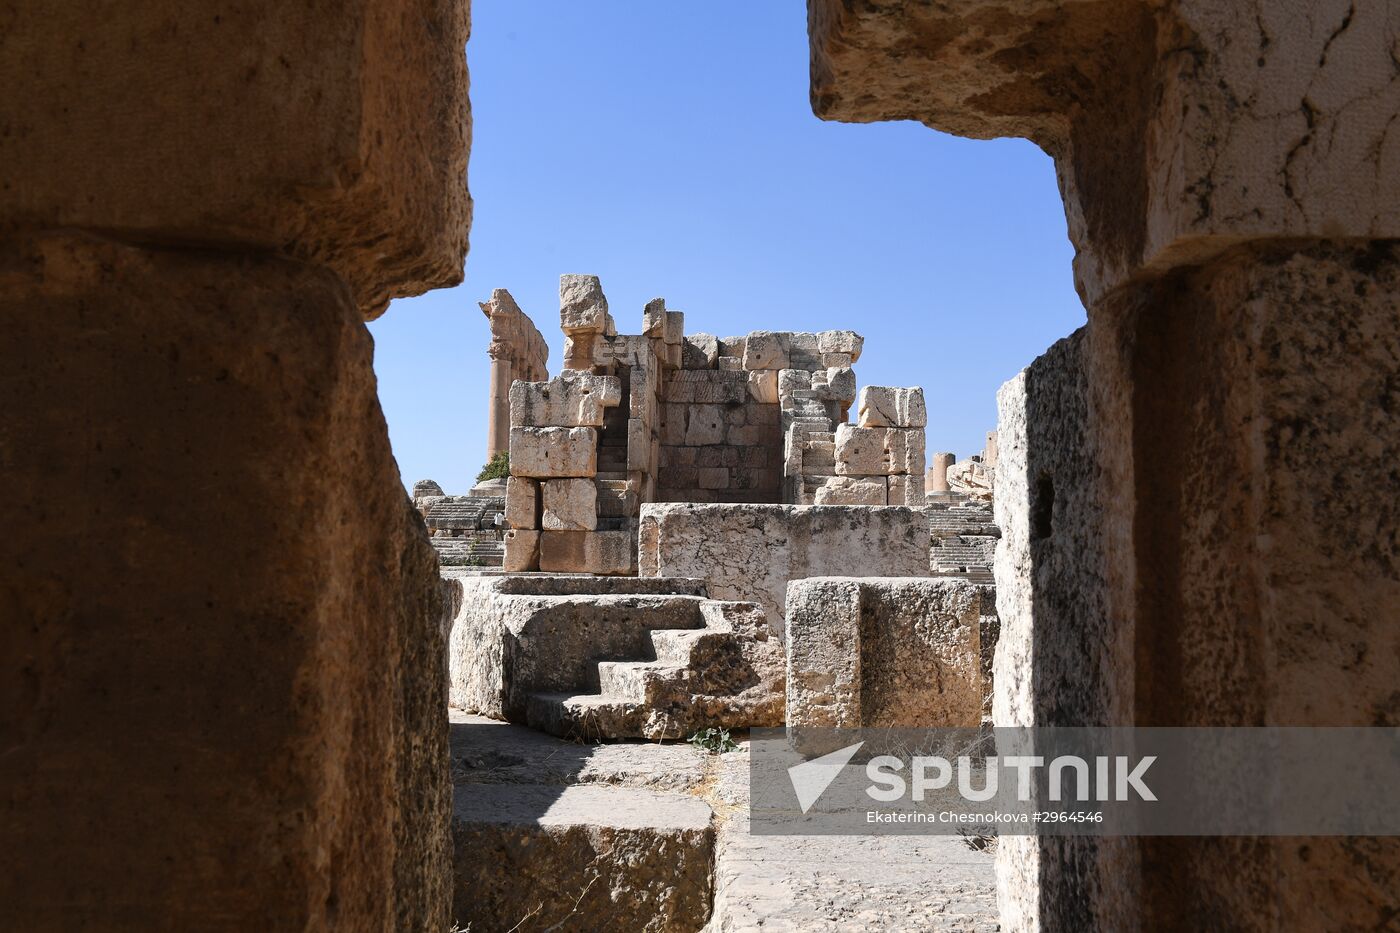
(517, 351)
(1228, 172)
(936, 480)
(224, 684)
(583, 316)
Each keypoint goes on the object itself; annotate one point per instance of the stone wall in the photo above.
(752, 552)
(1222, 426)
(223, 691)
(721, 440)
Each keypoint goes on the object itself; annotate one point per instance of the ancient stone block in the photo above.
(883, 653)
(700, 351)
(846, 342)
(601, 552)
(522, 503)
(765, 350)
(254, 554)
(729, 363)
(750, 552)
(837, 360)
(906, 490)
(878, 451)
(850, 490)
(706, 387)
(732, 346)
(617, 498)
(426, 487)
(704, 425)
(888, 407)
(792, 381)
(640, 439)
(540, 852)
(522, 550)
(654, 318)
(763, 386)
(570, 400)
(569, 505)
(582, 305)
(714, 477)
(336, 133)
(835, 385)
(553, 452)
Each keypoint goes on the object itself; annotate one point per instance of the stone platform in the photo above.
(646, 836)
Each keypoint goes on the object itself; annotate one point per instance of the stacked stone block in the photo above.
(879, 460)
(551, 497)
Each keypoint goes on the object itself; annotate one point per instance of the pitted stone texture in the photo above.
(582, 305)
(522, 503)
(522, 550)
(889, 407)
(883, 653)
(700, 351)
(257, 557)
(751, 552)
(853, 490)
(334, 133)
(572, 400)
(844, 342)
(765, 350)
(569, 505)
(580, 857)
(879, 451)
(545, 453)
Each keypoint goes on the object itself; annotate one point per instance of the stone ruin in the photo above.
(244, 729)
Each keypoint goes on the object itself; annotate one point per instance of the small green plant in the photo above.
(498, 467)
(714, 741)
(473, 561)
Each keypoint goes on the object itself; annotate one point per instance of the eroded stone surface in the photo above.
(553, 452)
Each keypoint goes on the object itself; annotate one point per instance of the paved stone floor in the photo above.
(761, 883)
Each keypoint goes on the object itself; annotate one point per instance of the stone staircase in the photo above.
(723, 670)
(466, 530)
(963, 536)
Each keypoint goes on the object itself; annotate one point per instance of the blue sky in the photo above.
(670, 149)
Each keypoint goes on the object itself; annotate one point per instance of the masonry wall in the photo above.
(718, 442)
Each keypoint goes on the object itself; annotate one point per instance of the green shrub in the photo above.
(498, 467)
(714, 741)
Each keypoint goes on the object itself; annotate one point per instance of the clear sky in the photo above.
(670, 149)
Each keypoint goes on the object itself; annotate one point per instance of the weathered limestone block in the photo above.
(585, 856)
(844, 342)
(835, 385)
(730, 363)
(569, 505)
(673, 329)
(426, 487)
(570, 400)
(888, 407)
(522, 503)
(228, 392)
(883, 653)
(906, 490)
(617, 498)
(545, 453)
(792, 381)
(732, 347)
(522, 550)
(583, 308)
(654, 319)
(700, 351)
(706, 387)
(763, 386)
(340, 136)
(750, 552)
(765, 350)
(879, 451)
(600, 552)
(851, 490)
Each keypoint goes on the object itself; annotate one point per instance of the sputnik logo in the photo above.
(811, 778)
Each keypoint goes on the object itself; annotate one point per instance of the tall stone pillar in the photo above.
(937, 478)
(222, 665)
(498, 415)
(1218, 444)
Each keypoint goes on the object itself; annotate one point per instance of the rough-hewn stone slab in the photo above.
(553, 452)
(879, 451)
(572, 400)
(750, 552)
(569, 505)
(889, 407)
(580, 857)
(883, 653)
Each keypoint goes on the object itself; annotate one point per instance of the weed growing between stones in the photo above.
(714, 741)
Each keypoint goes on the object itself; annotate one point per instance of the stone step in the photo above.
(673, 646)
(586, 716)
(580, 857)
(634, 681)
